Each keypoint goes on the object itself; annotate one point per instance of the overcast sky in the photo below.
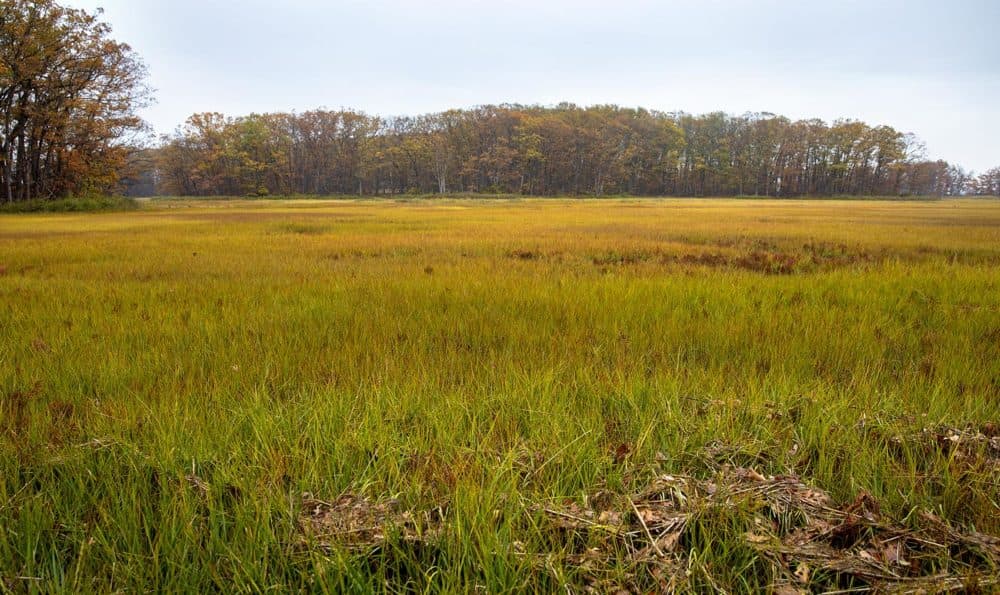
(923, 66)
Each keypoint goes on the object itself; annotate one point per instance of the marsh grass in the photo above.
(174, 379)
(71, 205)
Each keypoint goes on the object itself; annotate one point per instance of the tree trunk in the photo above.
(8, 187)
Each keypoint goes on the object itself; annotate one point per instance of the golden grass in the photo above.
(174, 378)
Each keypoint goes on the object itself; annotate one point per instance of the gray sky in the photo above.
(922, 66)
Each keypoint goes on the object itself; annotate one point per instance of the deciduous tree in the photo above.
(68, 100)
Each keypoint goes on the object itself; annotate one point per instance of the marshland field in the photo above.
(501, 395)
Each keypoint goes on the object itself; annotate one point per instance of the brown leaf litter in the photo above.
(807, 539)
(649, 539)
(360, 523)
(968, 443)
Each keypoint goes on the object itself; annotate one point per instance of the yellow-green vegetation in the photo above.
(174, 379)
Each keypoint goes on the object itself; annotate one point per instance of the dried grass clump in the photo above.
(359, 523)
(809, 541)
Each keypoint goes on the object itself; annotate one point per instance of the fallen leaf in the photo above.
(622, 451)
(802, 573)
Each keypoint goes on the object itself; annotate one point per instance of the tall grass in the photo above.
(70, 205)
(481, 356)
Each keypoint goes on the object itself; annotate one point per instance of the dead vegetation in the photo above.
(524, 254)
(973, 448)
(759, 256)
(649, 540)
(972, 452)
(14, 410)
(968, 443)
(808, 541)
(362, 524)
(300, 228)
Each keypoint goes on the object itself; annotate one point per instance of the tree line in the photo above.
(535, 150)
(69, 96)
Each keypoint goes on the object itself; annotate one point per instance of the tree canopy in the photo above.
(562, 150)
(68, 100)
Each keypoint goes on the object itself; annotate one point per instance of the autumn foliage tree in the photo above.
(68, 100)
(987, 183)
(560, 150)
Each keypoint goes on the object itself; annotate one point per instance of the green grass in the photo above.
(70, 205)
(484, 357)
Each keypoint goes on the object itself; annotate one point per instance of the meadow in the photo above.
(501, 396)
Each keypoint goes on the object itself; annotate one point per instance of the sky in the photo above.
(922, 66)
